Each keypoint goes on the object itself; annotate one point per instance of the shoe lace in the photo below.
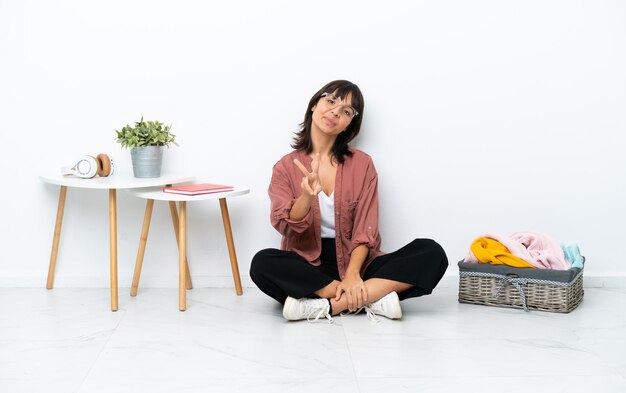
(317, 309)
(370, 313)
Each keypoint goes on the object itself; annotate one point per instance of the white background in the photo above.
(481, 116)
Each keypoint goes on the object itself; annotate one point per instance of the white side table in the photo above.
(152, 194)
(111, 183)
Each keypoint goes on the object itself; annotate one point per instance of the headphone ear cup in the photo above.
(105, 165)
(86, 167)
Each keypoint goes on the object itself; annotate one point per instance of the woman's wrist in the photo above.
(300, 208)
(303, 203)
(352, 274)
(358, 256)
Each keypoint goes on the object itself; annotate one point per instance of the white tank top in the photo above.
(327, 213)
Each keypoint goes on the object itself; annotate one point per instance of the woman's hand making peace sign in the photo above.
(311, 185)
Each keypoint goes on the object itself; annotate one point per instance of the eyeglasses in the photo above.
(332, 102)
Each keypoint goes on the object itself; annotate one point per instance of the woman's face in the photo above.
(332, 115)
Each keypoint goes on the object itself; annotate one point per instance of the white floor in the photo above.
(66, 340)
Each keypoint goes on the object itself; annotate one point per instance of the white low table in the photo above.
(111, 183)
(184, 281)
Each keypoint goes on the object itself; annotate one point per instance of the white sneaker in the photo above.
(388, 306)
(305, 308)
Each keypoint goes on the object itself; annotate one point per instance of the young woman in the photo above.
(324, 203)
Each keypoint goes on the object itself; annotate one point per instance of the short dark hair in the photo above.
(341, 88)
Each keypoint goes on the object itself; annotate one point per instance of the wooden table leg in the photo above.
(174, 214)
(113, 245)
(142, 246)
(231, 246)
(182, 246)
(56, 238)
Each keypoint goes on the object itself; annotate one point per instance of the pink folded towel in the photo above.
(535, 248)
(543, 250)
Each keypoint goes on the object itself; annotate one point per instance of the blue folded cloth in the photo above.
(572, 254)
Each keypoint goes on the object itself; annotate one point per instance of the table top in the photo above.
(157, 193)
(122, 180)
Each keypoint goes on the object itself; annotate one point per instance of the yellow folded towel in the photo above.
(492, 251)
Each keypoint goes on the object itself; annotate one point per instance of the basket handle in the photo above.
(515, 280)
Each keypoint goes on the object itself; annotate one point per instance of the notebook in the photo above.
(197, 189)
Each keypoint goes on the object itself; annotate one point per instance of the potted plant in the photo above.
(145, 141)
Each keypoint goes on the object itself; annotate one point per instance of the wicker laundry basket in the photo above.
(526, 288)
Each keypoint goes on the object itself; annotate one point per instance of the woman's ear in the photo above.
(313, 108)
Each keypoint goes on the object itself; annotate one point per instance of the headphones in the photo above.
(89, 166)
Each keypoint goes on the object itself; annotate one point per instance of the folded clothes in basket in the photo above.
(520, 249)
